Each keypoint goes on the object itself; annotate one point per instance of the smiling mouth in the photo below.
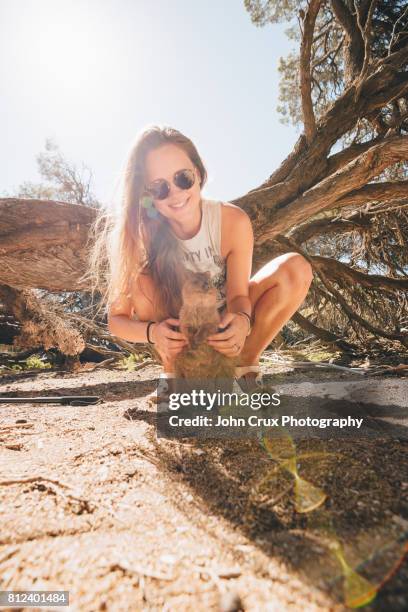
(181, 204)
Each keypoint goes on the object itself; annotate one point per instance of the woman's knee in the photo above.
(296, 272)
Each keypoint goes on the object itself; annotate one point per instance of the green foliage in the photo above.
(272, 11)
(34, 361)
(31, 363)
(290, 103)
(63, 181)
(331, 45)
(130, 362)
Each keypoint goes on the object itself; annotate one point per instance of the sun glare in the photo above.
(64, 47)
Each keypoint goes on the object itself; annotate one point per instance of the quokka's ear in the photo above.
(186, 274)
(205, 279)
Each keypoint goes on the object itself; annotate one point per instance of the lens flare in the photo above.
(308, 497)
(357, 590)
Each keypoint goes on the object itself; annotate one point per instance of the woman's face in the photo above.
(163, 163)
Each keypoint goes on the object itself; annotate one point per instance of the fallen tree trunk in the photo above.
(43, 244)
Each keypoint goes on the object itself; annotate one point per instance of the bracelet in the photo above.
(249, 320)
(148, 330)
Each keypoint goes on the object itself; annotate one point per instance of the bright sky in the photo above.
(92, 73)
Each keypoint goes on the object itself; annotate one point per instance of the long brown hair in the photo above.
(126, 242)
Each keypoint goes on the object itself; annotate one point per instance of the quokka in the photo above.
(199, 318)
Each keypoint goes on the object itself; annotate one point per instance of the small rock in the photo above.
(21, 421)
(15, 446)
(229, 572)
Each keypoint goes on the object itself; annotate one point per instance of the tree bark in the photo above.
(43, 244)
(273, 218)
(309, 21)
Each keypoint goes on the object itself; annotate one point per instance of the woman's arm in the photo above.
(121, 325)
(240, 244)
(168, 342)
(239, 259)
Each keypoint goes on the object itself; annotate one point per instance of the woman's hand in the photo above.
(167, 341)
(231, 341)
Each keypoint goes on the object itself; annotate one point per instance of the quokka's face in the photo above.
(197, 289)
(197, 298)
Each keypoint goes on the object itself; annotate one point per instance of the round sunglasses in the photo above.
(160, 188)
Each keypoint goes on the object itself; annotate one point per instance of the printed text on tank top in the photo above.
(202, 252)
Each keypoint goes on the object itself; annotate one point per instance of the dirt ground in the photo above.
(128, 521)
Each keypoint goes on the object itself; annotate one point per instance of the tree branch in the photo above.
(340, 159)
(402, 337)
(386, 191)
(353, 48)
(329, 192)
(366, 35)
(300, 169)
(336, 269)
(305, 71)
(327, 227)
(390, 195)
(322, 334)
(324, 57)
(394, 28)
(364, 24)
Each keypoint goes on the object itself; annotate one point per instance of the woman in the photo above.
(164, 226)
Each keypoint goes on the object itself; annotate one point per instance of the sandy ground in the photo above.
(128, 521)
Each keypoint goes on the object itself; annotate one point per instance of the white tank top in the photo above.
(202, 252)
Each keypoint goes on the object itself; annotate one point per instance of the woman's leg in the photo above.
(276, 292)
